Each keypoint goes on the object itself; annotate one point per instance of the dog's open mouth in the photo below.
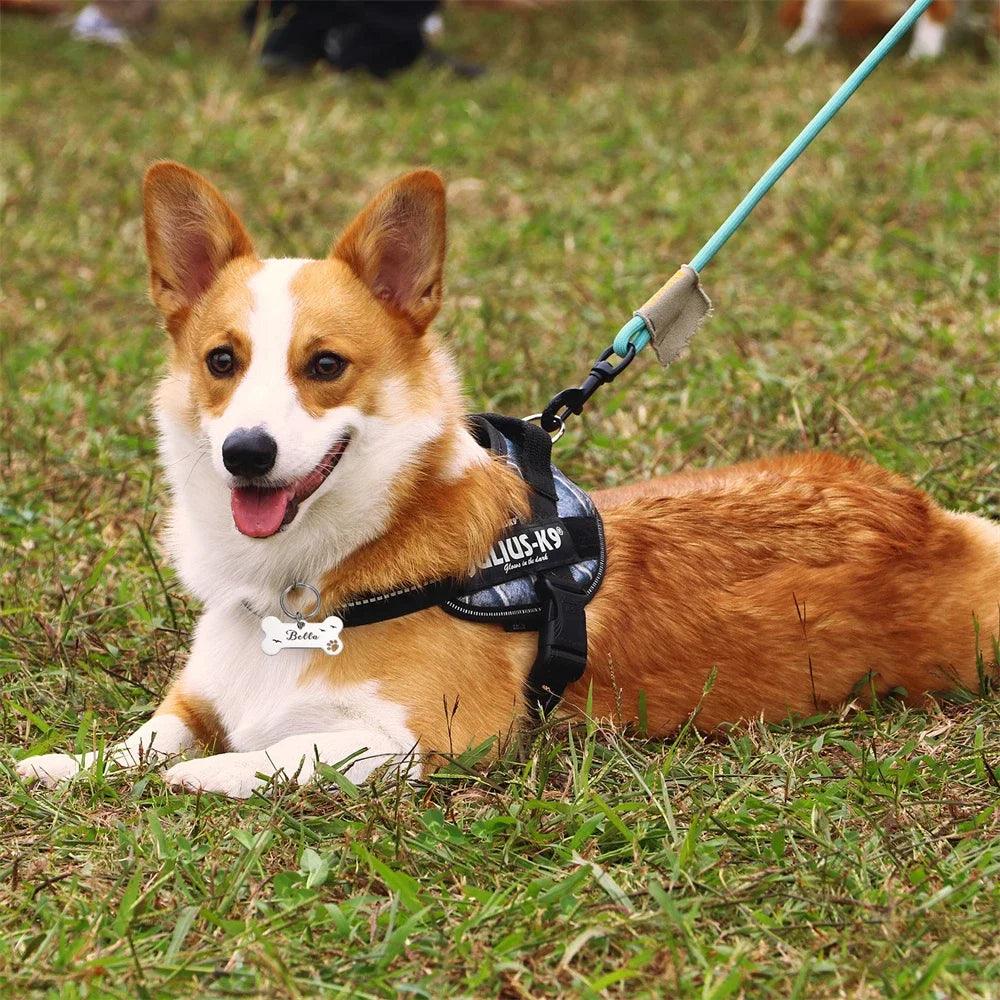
(262, 511)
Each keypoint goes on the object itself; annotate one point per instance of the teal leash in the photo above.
(635, 334)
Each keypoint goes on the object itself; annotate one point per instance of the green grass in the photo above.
(854, 856)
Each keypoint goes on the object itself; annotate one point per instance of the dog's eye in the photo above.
(327, 366)
(221, 362)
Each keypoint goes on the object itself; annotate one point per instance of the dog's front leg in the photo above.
(238, 775)
(164, 735)
(816, 26)
(173, 729)
(928, 39)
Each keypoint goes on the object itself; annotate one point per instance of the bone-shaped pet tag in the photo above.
(301, 634)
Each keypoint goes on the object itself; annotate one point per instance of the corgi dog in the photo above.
(312, 429)
(816, 21)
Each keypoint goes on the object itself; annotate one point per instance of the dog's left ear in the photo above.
(396, 246)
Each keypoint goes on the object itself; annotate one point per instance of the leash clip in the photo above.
(553, 417)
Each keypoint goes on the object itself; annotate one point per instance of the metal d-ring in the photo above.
(560, 430)
(299, 616)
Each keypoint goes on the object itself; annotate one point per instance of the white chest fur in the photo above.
(260, 699)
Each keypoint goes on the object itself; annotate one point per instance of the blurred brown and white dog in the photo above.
(816, 22)
(312, 428)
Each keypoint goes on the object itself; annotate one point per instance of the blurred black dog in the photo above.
(380, 37)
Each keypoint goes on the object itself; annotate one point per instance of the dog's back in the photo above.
(798, 578)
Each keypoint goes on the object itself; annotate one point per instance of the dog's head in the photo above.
(286, 367)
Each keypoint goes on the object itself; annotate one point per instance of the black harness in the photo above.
(539, 575)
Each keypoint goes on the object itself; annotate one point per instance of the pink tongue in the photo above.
(259, 512)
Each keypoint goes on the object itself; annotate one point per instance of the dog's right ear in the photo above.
(191, 234)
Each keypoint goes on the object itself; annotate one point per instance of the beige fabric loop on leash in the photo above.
(673, 314)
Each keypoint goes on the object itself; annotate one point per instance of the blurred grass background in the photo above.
(857, 311)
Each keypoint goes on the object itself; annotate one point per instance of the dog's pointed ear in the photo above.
(396, 246)
(191, 234)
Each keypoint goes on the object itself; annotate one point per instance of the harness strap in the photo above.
(562, 641)
(396, 603)
(533, 455)
(370, 609)
(562, 632)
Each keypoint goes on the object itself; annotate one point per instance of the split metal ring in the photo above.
(560, 430)
(303, 614)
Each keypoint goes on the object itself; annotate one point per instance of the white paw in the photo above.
(232, 774)
(49, 769)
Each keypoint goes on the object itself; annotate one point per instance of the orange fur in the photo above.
(343, 324)
(461, 685)
(795, 578)
(199, 715)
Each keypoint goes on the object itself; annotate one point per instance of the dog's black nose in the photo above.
(249, 452)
